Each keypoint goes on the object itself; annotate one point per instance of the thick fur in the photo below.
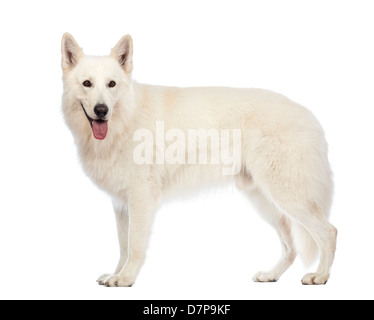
(283, 167)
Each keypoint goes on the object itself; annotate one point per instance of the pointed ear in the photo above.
(71, 52)
(122, 52)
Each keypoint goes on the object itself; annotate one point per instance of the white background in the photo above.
(57, 230)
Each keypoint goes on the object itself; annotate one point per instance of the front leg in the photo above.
(122, 219)
(140, 217)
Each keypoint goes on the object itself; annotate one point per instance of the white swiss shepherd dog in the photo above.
(282, 165)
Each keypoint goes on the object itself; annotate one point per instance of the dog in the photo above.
(142, 144)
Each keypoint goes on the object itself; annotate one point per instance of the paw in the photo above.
(102, 279)
(114, 281)
(315, 279)
(265, 277)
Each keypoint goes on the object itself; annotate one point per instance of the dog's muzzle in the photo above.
(99, 126)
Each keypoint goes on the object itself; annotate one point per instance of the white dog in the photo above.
(119, 127)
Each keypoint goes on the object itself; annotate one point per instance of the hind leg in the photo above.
(287, 258)
(291, 168)
(323, 233)
(283, 227)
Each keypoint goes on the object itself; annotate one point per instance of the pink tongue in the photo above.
(100, 129)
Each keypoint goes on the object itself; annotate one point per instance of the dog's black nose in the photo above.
(101, 110)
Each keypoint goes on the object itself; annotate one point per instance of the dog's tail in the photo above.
(304, 243)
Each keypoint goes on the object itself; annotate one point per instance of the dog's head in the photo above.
(95, 86)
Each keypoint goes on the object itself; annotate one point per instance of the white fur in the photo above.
(283, 165)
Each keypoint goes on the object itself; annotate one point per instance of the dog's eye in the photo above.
(112, 84)
(87, 84)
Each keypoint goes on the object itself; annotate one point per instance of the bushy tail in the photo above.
(304, 244)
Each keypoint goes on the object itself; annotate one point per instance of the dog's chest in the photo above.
(110, 171)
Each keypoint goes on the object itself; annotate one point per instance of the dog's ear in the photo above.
(71, 52)
(122, 52)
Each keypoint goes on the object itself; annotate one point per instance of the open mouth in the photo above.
(99, 126)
